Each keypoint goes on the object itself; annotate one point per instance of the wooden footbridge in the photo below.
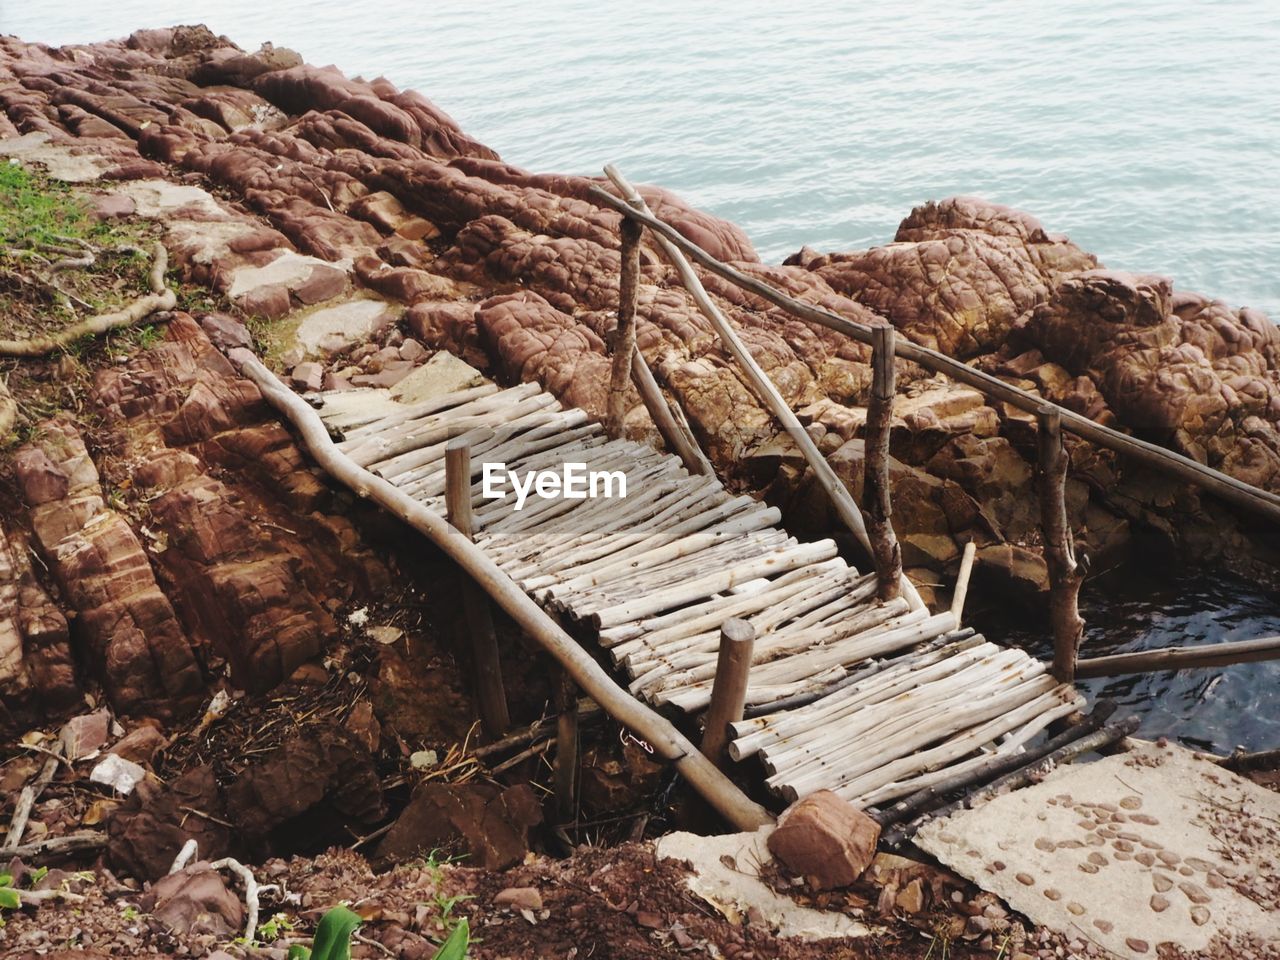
(696, 601)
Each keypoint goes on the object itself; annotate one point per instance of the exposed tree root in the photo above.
(162, 298)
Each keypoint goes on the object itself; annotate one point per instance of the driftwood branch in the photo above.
(160, 299)
(1230, 489)
(27, 799)
(84, 842)
(1180, 658)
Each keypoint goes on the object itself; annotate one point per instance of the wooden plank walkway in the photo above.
(885, 699)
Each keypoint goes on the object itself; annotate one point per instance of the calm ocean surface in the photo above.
(1149, 132)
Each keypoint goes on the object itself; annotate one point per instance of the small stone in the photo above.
(1106, 926)
(1195, 893)
(1131, 803)
(1123, 845)
(650, 920)
(1159, 902)
(1121, 856)
(826, 839)
(1136, 945)
(1075, 909)
(1097, 858)
(1070, 845)
(998, 865)
(86, 734)
(1087, 867)
(1168, 857)
(412, 351)
(1197, 863)
(140, 744)
(119, 774)
(1216, 881)
(1044, 843)
(1145, 818)
(1145, 858)
(1162, 883)
(1053, 894)
(1129, 837)
(519, 898)
(1026, 879)
(911, 899)
(1186, 871)
(1199, 916)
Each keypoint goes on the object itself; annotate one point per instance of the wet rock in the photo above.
(196, 900)
(490, 823)
(826, 840)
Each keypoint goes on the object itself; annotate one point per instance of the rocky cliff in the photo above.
(358, 230)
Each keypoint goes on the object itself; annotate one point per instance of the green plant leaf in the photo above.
(6, 879)
(9, 898)
(455, 948)
(299, 952)
(333, 935)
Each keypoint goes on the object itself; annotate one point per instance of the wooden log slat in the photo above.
(877, 496)
(729, 693)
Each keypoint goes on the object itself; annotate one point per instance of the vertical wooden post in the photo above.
(490, 692)
(624, 336)
(566, 768)
(877, 496)
(1065, 576)
(729, 690)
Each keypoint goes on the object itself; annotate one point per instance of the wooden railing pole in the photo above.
(962, 581)
(729, 689)
(624, 335)
(1180, 658)
(1234, 491)
(877, 496)
(566, 768)
(841, 499)
(1059, 553)
(483, 640)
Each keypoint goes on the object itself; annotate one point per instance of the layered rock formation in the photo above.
(354, 214)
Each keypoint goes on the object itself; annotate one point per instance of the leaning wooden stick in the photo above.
(161, 298)
(841, 499)
(962, 581)
(491, 692)
(1064, 574)
(669, 419)
(876, 493)
(566, 769)
(1180, 658)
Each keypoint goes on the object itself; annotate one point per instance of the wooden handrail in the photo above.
(1180, 658)
(845, 506)
(721, 792)
(1228, 488)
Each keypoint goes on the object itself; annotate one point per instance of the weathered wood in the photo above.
(728, 695)
(26, 800)
(491, 694)
(991, 768)
(1065, 576)
(1183, 468)
(667, 741)
(566, 768)
(160, 299)
(624, 335)
(1030, 773)
(877, 496)
(962, 581)
(843, 502)
(669, 419)
(1180, 658)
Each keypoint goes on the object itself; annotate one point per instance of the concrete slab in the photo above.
(1133, 852)
(726, 874)
(330, 330)
(443, 373)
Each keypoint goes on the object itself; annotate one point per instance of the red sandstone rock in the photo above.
(826, 840)
(195, 900)
(85, 734)
(493, 823)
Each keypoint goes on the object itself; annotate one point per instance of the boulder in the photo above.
(489, 823)
(196, 900)
(826, 840)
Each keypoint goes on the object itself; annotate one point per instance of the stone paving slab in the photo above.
(1134, 852)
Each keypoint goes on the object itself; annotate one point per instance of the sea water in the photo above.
(1148, 131)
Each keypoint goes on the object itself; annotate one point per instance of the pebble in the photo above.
(1053, 894)
(1026, 879)
(1088, 867)
(1106, 926)
(1162, 883)
(1195, 893)
(1159, 903)
(519, 898)
(1145, 858)
(1044, 843)
(1131, 803)
(1199, 916)
(1075, 909)
(1169, 857)
(1097, 858)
